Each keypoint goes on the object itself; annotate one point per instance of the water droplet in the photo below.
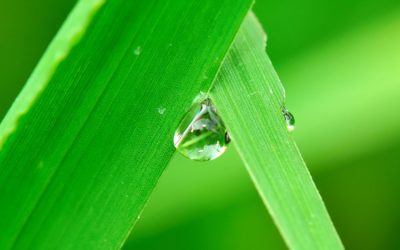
(138, 50)
(161, 110)
(201, 135)
(289, 118)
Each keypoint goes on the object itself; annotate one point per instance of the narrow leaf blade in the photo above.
(87, 139)
(249, 97)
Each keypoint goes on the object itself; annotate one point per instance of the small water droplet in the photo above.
(161, 110)
(201, 135)
(138, 50)
(289, 118)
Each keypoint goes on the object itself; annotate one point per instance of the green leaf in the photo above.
(87, 139)
(249, 97)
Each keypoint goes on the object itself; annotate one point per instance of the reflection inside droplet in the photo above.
(201, 134)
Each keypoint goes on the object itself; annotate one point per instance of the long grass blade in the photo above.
(249, 97)
(87, 139)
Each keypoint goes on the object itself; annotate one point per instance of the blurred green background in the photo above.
(340, 63)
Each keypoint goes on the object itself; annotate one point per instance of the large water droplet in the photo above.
(201, 135)
(289, 118)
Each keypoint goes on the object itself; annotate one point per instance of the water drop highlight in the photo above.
(201, 135)
(289, 119)
(138, 51)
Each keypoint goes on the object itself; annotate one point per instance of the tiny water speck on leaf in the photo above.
(138, 50)
(161, 110)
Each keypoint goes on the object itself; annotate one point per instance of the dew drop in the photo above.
(161, 110)
(138, 50)
(289, 118)
(201, 135)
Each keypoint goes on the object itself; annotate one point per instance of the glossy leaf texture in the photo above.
(249, 97)
(85, 142)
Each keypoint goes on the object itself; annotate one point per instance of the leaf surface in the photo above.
(249, 96)
(90, 134)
